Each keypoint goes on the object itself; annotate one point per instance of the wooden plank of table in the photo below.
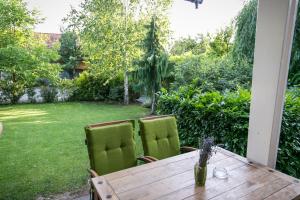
(152, 165)
(103, 189)
(267, 190)
(247, 187)
(215, 186)
(290, 192)
(173, 183)
(162, 171)
(173, 178)
(262, 167)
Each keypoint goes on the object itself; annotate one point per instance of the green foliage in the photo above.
(16, 22)
(49, 94)
(104, 36)
(244, 40)
(207, 62)
(70, 52)
(92, 87)
(89, 87)
(196, 46)
(23, 67)
(24, 59)
(289, 144)
(221, 45)
(226, 117)
(216, 45)
(197, 114)
(110, 33)
(211, 73)
(154, 65)
(294, 73)
(31, 93)
(17, 65)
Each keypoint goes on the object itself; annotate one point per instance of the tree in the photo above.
(220, 44)
(110, 33)
(109, 36)
(294, 73)
(244, 40)
(16, 22)
(154, 65)
(196, 46)
(70, 52)
(24, 58)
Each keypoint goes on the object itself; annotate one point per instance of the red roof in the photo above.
(50, 38)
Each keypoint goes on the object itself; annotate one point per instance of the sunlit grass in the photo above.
(42, 148)
(20, 113)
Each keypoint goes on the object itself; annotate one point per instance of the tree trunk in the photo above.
(153, 102)
(126, 93)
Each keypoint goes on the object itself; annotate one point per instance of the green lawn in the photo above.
(42, 148)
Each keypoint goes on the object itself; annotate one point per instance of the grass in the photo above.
(42, 148)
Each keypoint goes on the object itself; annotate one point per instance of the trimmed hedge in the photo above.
(226, 117)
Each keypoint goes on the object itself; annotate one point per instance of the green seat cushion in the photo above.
(111, 148)
(160, 137)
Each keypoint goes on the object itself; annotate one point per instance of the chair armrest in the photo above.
(152, 158)
(93, 173)
(145, 159)
(187, 149)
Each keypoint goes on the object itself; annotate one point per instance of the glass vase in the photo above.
(200, 174)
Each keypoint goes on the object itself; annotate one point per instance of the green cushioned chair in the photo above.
(160, 137)
(111, 147)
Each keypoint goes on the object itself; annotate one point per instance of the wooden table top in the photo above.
(173, 178)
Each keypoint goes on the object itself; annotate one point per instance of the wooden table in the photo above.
(173, 179)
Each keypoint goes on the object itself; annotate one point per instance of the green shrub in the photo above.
(31, 94)
(90, 87)
(49, 94)
(288, 159)
(211, 73)
(226, 117)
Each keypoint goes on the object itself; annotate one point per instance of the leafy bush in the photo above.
(91, 87)
(288, 159)
(49, 94)
(31, 93)
(211, 73)
(226, 116)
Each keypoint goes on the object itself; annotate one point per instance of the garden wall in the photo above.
(61, 96)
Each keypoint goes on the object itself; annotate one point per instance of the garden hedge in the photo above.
(225, 116)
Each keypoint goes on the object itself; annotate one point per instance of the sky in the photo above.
(185, 20)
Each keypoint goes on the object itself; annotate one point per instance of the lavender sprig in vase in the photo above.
(200, 168)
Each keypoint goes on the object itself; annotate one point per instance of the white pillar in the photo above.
(274, 36)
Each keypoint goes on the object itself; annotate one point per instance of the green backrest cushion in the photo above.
(111, 148)
(160, 137)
